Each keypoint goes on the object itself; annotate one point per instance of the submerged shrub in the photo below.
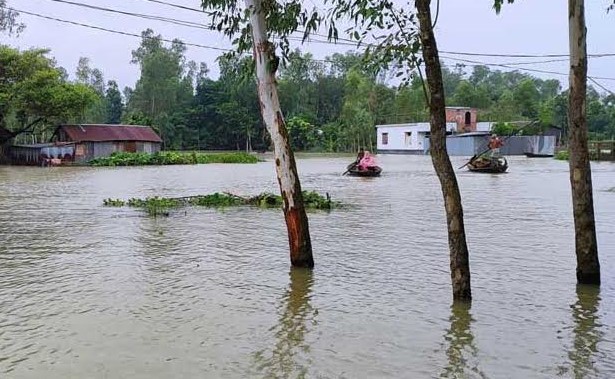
(155, 206)
(172, 158)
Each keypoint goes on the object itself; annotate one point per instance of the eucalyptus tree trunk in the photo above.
(586, 245)
(286, 168)
(460, 265)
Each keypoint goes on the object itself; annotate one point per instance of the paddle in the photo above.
(350, 167)
(488, 149)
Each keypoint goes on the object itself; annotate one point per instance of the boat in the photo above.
(353, 170)
(490, 165)
(534, 155)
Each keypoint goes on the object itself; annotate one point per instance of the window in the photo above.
(468, 118)
(385, 138)
(408, 139)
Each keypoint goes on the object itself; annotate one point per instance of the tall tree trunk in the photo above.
(286, 168)
(460, 265)
(588, 266)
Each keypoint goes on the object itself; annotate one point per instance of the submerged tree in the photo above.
(588, 266)
(460, 265)
(399, 41)
(586, 244)
(256, 22)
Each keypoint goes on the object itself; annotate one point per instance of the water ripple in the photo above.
(89, 291)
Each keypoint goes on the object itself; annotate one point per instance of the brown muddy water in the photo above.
(94, 292)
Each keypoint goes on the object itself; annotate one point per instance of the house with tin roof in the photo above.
(101, 140)
(80, 143)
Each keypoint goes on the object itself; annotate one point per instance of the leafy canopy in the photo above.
(34, 92)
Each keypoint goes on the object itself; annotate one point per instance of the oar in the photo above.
(351, 166)
(470, 161)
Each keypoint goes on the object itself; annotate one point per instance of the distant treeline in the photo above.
(330, 105)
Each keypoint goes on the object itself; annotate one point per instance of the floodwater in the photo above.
(93, 292)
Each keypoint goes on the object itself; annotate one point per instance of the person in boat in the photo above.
(367, 162)
(494, 145)
(359, 156)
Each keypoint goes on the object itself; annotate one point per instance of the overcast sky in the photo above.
(527, 27)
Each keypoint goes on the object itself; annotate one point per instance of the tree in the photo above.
(93, 78)
(113, 102)
(397, 50)
(166, 84)
(527, 98)
(33, 93)
(586, 244)
(588, 266)
(266, 17)
(460, 263)
(8, 20)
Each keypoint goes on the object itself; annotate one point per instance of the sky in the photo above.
(534, 27)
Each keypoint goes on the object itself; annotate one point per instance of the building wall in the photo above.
(404, 138)
(515, 145)
(87, 151)
(35, 155)
(460, 115)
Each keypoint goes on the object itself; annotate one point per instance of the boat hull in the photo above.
(353, 170)
(495, 166)
(374, 171)
(532, 155)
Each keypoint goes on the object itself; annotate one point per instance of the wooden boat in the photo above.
(353, 170)
(533, 155)
(492, 165)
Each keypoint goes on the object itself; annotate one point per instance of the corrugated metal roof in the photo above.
(106, 132)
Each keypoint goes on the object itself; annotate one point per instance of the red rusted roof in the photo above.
(107, 132)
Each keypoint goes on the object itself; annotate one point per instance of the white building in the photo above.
(406, 138)
(484, 126)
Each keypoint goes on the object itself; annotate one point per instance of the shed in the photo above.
(101, 140)
(41, 154)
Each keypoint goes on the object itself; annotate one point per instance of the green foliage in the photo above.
(34, 93)
(113, 103)
(114, 202)
(8, 20)
(562, 155)
(172, 158)
(155, 206)
(303, 135)
(504, 129)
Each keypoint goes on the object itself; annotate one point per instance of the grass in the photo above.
(155, 206)
(172, 158)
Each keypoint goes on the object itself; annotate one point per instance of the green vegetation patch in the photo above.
(172, 158)
(155, 206)
(562, 155)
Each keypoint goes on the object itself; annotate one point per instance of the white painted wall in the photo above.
(405, 137)
(484, 126)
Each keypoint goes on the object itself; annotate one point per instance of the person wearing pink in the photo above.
(367, 162)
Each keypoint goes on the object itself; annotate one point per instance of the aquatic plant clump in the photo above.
(161, 205)
(172, 158)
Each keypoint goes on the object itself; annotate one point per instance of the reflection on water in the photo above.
(587, 332)
(296, 319)
(461, 352)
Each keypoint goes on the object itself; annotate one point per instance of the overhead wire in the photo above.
(200, 26)
(339, 41)
(112, 30)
